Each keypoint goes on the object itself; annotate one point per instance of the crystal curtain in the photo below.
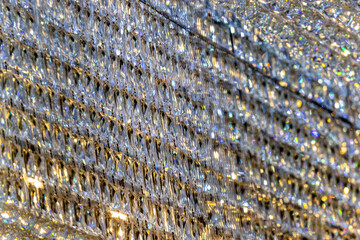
(181, 119)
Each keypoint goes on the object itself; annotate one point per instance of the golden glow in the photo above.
(246, 209)
(298, 103)
(35, 182)
(120, 232)
(118, 215)
(233, 176)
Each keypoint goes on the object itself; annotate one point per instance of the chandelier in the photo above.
(181, 119)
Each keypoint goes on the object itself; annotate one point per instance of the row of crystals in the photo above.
(16, 223)
(133, 44)
(138, 206)
(283, 31)
(40, 93)
(69, 180)
(277, 27)
(203, 83)
(79, 153)
(39, 140)
(231, 13)
(64, 110)
(58, 203)
(216, 154)
(83, 184)
(94, 218)
(203, 87)
(149, 84)
(142, 79)
(313, 22)
(133, 171)
(69, 78)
